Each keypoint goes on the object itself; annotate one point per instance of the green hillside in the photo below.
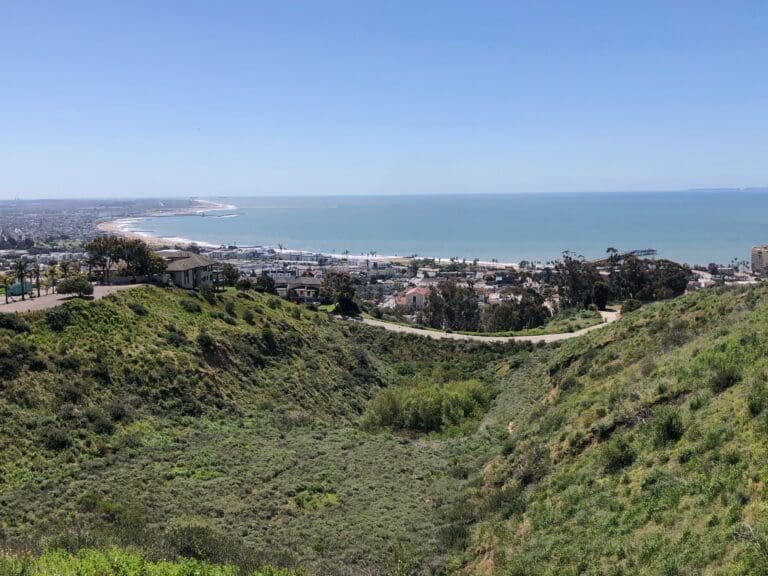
(638, 449)
(249, 431)
(152, 414)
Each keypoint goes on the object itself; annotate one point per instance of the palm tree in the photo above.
(6, 285)
(20, 270)
(36, 272)
(65, 268)
(51, 273)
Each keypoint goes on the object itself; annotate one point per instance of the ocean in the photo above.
(696, 227)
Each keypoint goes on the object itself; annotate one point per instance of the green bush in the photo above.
(724, 376)
(208, 293)
(138, 309)
(430, 408)
(190, 306)
(56, 439)
(13, 322)
(630, 306)
(77, 284)
(206, 342)
(756, 400)
(115, 562)
(667, 425)
(617, 454)
(58, 318)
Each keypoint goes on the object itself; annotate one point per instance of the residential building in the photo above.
(187, 269)
(416, 298)
(760, 259)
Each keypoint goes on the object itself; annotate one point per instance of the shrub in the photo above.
(56, 439)
(119, 411)
(176, 337)
(206, 342)
(429, 408)
(138, 309)
(724, 376)
(230, 308)
(190, 306)
(77, 284)
(248, 317)
(667, 425)
(757, 399)
(68, 362)
(244, 284)
(38, 364)
(13, 322)
(617, 454)
(58, 318)
(194, 539)
(13, 357)
(630, 306)
(207, 292)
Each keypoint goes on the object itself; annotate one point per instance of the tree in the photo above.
(230, 274)
(104, 252)
(6, 286)
(265, 284)
(452, 307)
(36, 272)
(575, 279)
(64, 266)
(462, 311)
(337, 287)
(433, 313)
(530, 311)
(139, 258)
(51, 274)
(20, 270)
(77, 284)
(244, 284)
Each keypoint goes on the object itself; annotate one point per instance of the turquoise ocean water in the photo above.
(696, 227)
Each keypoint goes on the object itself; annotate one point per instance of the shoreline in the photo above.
(120, 227)
(117, 227)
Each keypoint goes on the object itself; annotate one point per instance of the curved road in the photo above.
(608, 317)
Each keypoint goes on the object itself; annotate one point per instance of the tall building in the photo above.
(760, 259)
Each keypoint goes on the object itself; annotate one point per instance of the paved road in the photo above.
(608, 317)
(52, 300)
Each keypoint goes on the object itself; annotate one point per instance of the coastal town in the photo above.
(54, 245)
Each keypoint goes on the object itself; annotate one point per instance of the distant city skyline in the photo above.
(346, 98)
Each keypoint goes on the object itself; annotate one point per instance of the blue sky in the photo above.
(255, 98)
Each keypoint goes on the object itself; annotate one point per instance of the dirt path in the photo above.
(52, 300)
(608, 317)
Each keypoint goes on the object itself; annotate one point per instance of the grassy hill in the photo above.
(638, 449)
(153, 414)
(249, 431)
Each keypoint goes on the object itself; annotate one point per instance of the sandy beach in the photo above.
(118, 227)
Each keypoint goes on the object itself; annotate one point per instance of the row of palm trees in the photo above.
(24, 270)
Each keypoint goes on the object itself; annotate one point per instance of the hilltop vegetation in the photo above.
(154, 414)
(249, 431)
(638, 449)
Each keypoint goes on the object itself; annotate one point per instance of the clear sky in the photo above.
(380, 97)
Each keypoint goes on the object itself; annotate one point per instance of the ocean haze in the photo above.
(696, 227)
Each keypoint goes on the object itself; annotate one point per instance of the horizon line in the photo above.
(761, 188)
